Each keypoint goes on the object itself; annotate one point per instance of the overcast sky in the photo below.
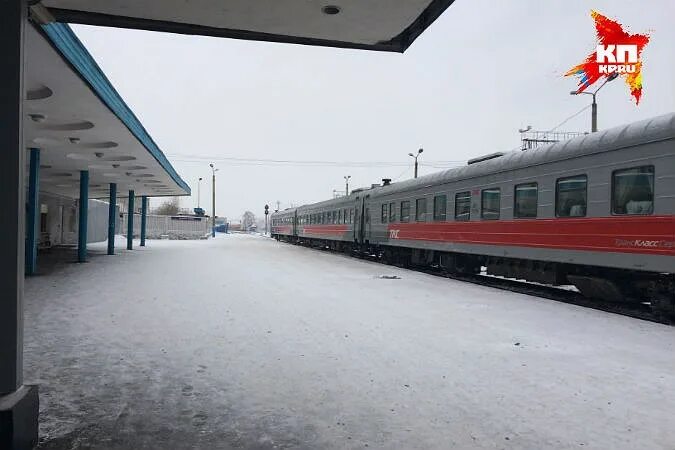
(483, 70)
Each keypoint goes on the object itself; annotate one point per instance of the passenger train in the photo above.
(596, 212)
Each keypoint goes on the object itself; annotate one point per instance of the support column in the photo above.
(18, 403)
(33, 211)
(144, 219)
(112, 218)
(84, 211)
(130, 222)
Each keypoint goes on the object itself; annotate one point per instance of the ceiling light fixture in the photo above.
(38, 118)
(74, 140)
(331, 10)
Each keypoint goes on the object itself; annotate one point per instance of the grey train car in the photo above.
(596, 211)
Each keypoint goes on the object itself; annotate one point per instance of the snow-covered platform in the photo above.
(244, 342)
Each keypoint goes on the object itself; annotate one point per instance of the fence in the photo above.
(169, 227)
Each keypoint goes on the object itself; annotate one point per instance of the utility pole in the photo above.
(347, 177)
(594, 105)
(419, 152)
(278, 205)
(213, 200)
(199, 190)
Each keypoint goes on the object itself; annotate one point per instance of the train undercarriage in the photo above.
(595, 283)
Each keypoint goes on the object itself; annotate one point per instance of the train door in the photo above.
(295, 223)
(362, 220)
(358, 230)
(366, 219)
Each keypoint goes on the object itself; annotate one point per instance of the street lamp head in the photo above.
(200, 178)
(410, 154)
(574, 92)
(420, 151)
(211, 165)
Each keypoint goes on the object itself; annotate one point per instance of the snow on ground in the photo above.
(244, 342)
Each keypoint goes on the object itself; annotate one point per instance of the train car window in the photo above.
(367, 215)
(385, 213)
(335, 217)
(392, 212)
(525, 200)
(421, 210)
(351, 216)
(463, 206)
(571, 196)
(440, 207)
(633, 191)
(490, 204)
(405, 211)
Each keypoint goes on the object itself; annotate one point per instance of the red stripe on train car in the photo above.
(286, 229)
(653, 235)
(326, 230)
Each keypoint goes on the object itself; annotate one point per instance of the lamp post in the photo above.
(594, 105)
(419, 152)
(347, 177)
(199, 191)
(213, 200)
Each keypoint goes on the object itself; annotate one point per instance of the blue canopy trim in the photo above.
(66, 42)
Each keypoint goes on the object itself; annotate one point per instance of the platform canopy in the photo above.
(385, 25)
(79, 122)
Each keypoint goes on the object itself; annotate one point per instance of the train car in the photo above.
(329, 223)
(284, 224)
(597, 211)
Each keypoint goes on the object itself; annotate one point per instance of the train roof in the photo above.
(650, 130)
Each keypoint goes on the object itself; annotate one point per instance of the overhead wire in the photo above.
(569, 118)
(302, 163)
(238, 161)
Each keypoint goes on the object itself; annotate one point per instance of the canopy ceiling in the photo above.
(79, 122)
(386, 25)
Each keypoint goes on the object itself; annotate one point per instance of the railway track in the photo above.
(637, 309)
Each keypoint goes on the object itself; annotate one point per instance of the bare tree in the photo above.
(247, 220)
(170, 207)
